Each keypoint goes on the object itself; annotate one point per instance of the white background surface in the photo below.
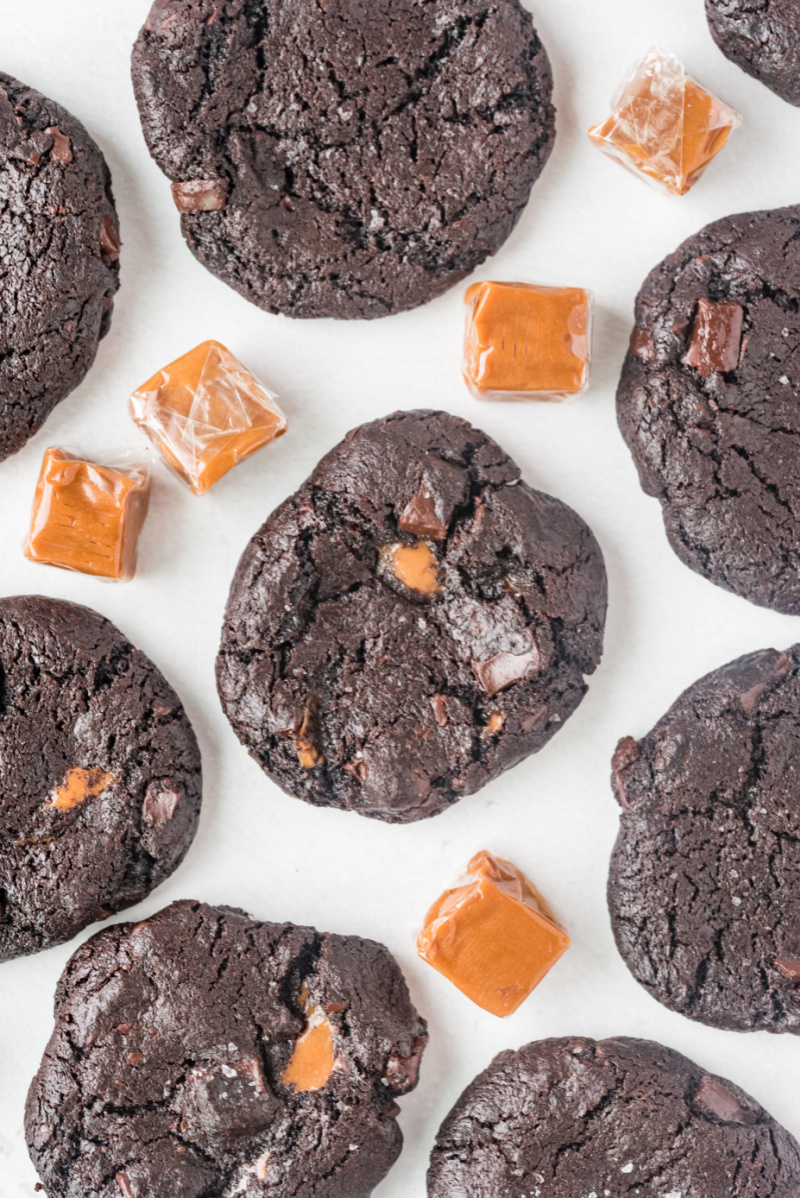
(589, 224)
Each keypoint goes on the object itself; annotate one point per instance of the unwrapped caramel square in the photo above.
(88, 517)
(493, 936)
(665, 125)
(527, 342)
(205, 413)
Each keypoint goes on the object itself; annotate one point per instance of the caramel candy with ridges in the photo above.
(527, 342)
(79, 785)
(415, 566)
(665, 126)
(205, 413)
(716, 341)
(87, 517)
(493, 936)
(200, 195)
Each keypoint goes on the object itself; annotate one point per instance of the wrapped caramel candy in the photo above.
(88, 517)
(665, 125)
(205, 413)
(493, 936)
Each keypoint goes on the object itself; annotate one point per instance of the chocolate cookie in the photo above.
(341, 158)
(763, 38)
(202, 1054)
(60, 238)
(409, 624)
(580, 1118)
(99, 773)
(709, 403)
(704, 888)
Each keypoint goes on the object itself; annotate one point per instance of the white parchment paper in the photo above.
(589, 224)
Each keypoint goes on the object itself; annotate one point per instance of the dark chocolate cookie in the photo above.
(763, 38)
(99, 773)
(202, 1054)
(409, 624)
(345, 158)
(579, 1118)
(704, 888)
(709, 403)
(60, 269)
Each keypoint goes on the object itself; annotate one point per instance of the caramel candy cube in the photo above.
(665, 126)
(527, 342)
(88, 517)
(205, 413)
(493, 936)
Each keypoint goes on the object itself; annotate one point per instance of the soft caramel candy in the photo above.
(87, 517)
(79, 785)
(308, 754)
(415, 566)
(665, 126)
(493, 936)
(205, 413)
(527, 342)
(313, 1059)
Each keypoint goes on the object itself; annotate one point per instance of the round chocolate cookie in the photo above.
(580, 1118)
(60, 238)
(704, 889)
(763, 38)
(409, 624)
(99, 773)
(709, 403)
(342, 158)
(203, 1054)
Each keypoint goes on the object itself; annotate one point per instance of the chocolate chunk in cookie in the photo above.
(409, 624)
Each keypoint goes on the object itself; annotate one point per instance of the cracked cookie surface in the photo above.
(708, 403)
(341, 158)
(99, 773)
(704, 885)
(578, 1117)
(174, 1067)
(60, 270)
(763, 38)
(410, 623)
